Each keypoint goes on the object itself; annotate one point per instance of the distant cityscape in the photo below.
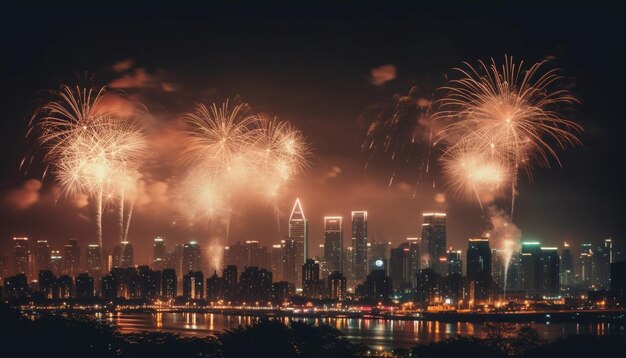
(421, 274)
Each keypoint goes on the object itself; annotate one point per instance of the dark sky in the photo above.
(311, 65)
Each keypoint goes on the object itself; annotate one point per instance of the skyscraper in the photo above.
(549, 271)
(191, 257)
(276, 259)
(71, 261)
(299, 233)
(290, 261)
(434, 241)
(159, 253)
(21, 254)
(531, 267)
(42, 255)
(585, 271)
(193, 285)
(123, 255)
(94, 261)
(567, 266)
(337, 286)
(454, 262)
(359, 245)
(311, 284)
(333, 242)
(169, 283)
(414, 260)
(479, 267)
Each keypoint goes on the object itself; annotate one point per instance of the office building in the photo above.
(21, 255)
(479, 268)
(169, 284)
(359, 245)
(333, 242)
(159, 253)
(71, 259)
(434, 241)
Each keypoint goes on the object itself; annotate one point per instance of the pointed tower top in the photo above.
(296, 212)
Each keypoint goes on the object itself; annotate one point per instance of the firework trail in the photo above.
(398, 133)
(507, 116)
(237, 156)
(89, 150)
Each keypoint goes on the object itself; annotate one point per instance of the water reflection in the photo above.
(377, 333)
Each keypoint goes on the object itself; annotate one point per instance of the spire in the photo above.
(296, 212)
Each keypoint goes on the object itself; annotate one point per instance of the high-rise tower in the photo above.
(333, 242)
(434, 241)
(359, 245)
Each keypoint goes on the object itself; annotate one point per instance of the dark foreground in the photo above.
(73, 335)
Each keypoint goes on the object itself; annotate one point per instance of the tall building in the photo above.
(123, 255)
(299, 233)
(337, 286)
(93, 261)
(428, 288)
(602, 264)
(255, 285)
(550, 271)
(567, 266)
(56, 261)
(397, 265)
(84, 286)
(378, 286)
(229, 280)
(531, 267)
(333, 242)
(193, 285)
(159, 255)
(21, 255)
(479, 267)
(359, 245)
(434, 241)
(290, 261)
(169, 283)
(454, 262)
(311, 284)
(585, 267)
(47, 284)
(276, 261)
(191, 257)
(42, 255)
(248, 253)
(414, 260)
(71, 259)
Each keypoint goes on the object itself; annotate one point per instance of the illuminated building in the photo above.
(159, 255)
(84, 286)
(454, 262)
(337, 286)
(149, 282)
(123, 255)
(434, 241)
(21, 255)
(169, 283)
(56, 261)
(397, 265)
(47, 284)
(276, 261)
(193, 285)
(42, 255)
(298, 242)
(290, 261)
(585, 266)
(311, 284)
(229, 277)
(280, 292)
(16, 287)
(428, 289)
(602, 264)
(65, 287)
(333, 242)
(248, 253)
(414, 259)
(531, 267)
(110, 285)
(378, 286)
(94, 261)
(71, 261)
(214, 287)
(359, 245)
(479, 267)
(255, 285)
(550, 271)
(567, 266)
(192, 257)
(513, 276)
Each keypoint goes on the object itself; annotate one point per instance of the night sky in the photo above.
(313, 67)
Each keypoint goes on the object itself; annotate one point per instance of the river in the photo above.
(379, 334)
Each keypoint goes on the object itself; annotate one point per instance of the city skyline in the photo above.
(558, 205)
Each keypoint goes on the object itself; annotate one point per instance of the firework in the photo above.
(90, 150)
(237, 156)
(397, 132)
(507, 118)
